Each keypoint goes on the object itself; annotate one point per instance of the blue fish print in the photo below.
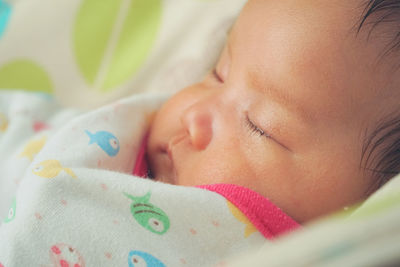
(137, 258)
(5, 12)
(106, 141)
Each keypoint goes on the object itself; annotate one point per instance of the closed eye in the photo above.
(255, 129)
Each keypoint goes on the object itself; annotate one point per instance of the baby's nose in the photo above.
(197, 119)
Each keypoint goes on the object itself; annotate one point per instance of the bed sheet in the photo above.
(89, 52)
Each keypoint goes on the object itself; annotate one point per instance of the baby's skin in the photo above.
(285, 110)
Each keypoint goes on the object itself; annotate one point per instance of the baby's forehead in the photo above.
(313, 49)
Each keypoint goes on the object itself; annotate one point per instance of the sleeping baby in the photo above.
(302, 107)
(298, 119)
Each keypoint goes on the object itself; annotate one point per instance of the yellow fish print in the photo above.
(3, 123)
(32, 148)
(250, 228)
(50, 169)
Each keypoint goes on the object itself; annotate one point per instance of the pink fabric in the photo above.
(141, 167)
(270, 220)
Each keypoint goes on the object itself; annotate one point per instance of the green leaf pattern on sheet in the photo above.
(25, 74)
(112, 39)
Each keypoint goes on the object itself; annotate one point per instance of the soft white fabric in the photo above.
(76, 201)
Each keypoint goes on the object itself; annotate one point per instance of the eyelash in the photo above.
(255, 129)
(251, 125)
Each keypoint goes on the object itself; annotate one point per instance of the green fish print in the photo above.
(147, 215)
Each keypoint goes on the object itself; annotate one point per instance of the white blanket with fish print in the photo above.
(68, 198)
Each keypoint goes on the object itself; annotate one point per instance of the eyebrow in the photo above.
(279, 96)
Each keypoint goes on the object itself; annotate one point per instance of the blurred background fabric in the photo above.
(90, 52)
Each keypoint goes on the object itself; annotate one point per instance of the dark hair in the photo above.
(381, 150)
(383, 12)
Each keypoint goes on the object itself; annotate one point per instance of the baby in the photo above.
(301, 107)
(299, 118)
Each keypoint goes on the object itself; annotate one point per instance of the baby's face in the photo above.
(283, 113)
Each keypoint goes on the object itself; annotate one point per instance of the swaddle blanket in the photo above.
(69, 197)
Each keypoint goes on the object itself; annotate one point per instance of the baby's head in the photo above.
(302, 107)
